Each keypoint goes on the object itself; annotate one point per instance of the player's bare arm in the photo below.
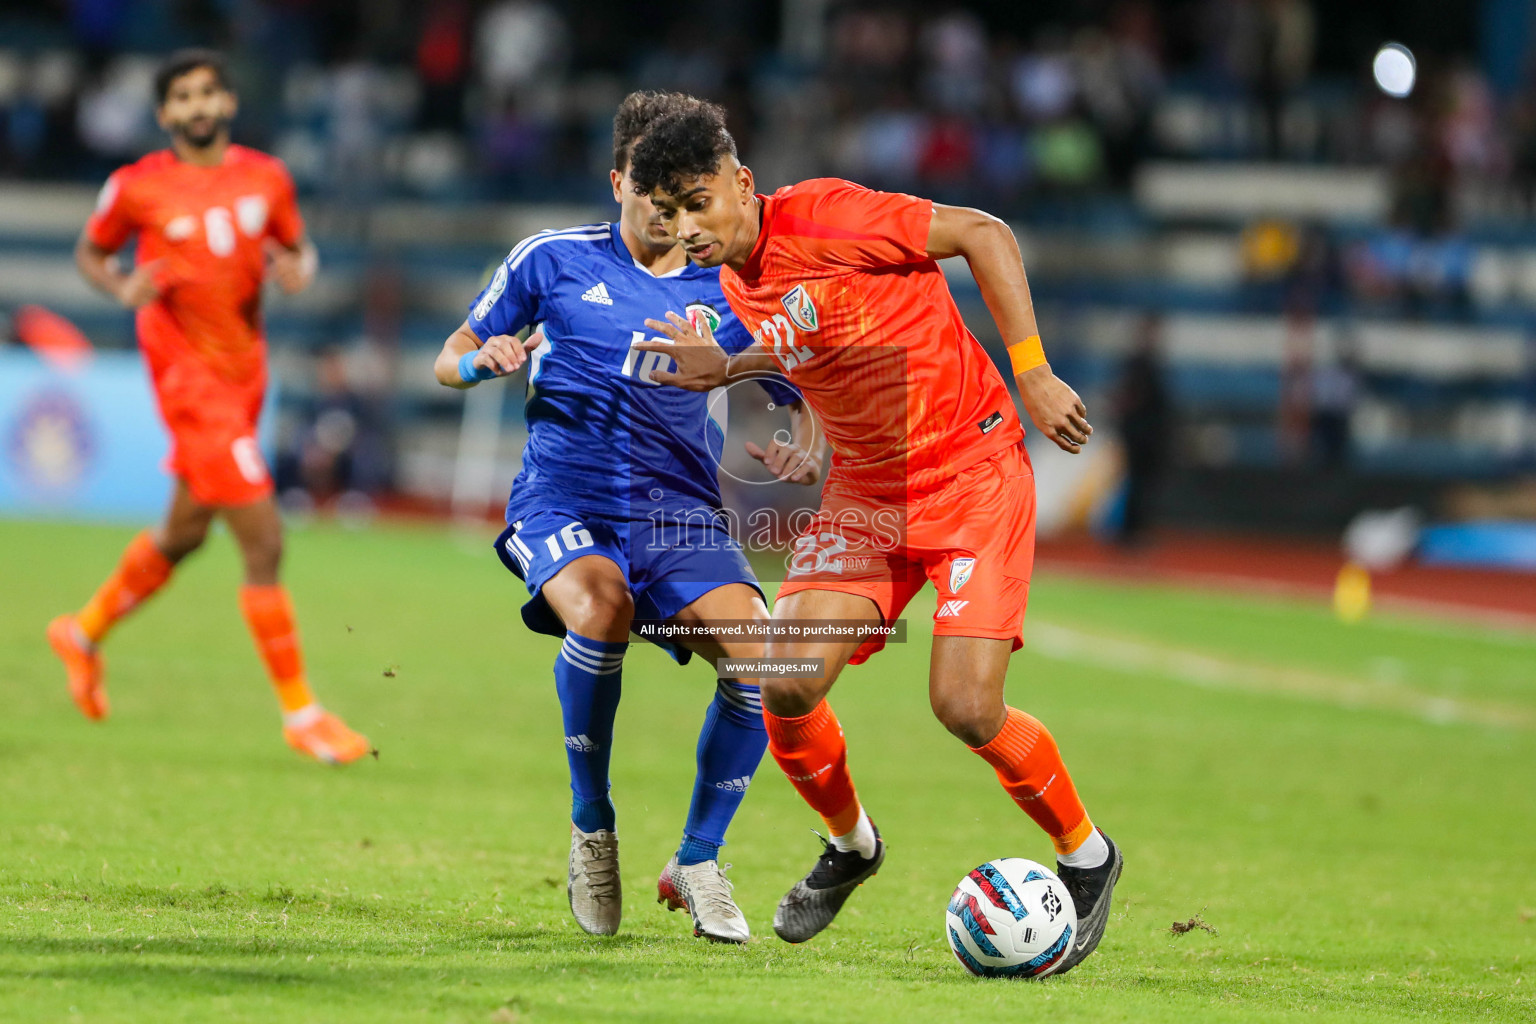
(293, 267)
(798, 460)
(102, 269)
(750, 363)
(500, 356)
(993, 254)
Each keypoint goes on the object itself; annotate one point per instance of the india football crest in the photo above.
(802, 311)
(960, 572)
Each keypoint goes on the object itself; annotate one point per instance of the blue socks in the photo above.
(730, 746)
(587, 678)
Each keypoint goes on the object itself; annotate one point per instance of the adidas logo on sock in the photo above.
(580, 744)
(736, 785)
(597, 293)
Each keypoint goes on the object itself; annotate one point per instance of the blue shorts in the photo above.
(668, 567)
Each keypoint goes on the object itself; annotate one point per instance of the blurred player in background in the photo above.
(615, 514)
(929, 479)
(211, 221)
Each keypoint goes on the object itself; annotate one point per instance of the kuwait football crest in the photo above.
(700, 313)
(960, 572)
(802, 311)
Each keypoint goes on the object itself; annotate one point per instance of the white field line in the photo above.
(1140, 657)
(1445, 617)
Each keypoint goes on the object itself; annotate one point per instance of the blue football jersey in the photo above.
(603, 438)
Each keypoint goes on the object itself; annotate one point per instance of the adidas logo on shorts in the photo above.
(736, 785)
(598, 293)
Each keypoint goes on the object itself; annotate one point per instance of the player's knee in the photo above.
(604, 607)
(969, 719)
(178, 544)
(263, 553)
(792, 697)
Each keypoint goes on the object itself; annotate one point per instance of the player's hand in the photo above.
(292, 269)
(701, 362)
(787, 461)
(138, 288)
(1055, 408)
(505, 354)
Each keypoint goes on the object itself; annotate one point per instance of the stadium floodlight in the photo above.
(1395, 69)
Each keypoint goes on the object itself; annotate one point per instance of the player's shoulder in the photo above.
(813, 191)
(819, 186)
(144, 168)
(245, 160)
(556, 244)
(818, 205)
(135, 182)
(238, 154)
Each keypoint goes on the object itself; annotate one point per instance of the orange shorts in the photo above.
(974, 538)
(213, 434)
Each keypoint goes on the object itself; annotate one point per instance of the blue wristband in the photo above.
(469, 373)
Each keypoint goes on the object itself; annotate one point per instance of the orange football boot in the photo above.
(325, 737)
(83, 666)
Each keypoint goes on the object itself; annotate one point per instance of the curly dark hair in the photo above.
(636, 114)
(183, 61)
(685, 144)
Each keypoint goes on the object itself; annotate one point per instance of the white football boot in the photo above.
(705, 892)
(593, 881)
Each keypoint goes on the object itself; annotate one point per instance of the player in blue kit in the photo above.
(615, 514)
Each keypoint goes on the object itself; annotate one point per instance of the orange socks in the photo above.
(269, 614)
(1029, 766)
(142, 571)
(812, 753)
(814, 756)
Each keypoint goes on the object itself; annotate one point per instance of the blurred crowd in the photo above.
(1043, 115)
(511, 98)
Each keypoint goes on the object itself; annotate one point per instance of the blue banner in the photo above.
(87, 444)
(1490, 544)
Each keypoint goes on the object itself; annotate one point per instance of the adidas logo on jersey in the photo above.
(580, 744)
(597, 293)
(949, 609)
(736, 785)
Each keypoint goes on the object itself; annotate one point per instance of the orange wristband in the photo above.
(1026, 355)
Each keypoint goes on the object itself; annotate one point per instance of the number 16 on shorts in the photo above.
(543, 543)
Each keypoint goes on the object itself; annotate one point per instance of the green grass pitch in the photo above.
(1352, 809)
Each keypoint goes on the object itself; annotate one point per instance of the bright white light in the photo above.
(1394, 69)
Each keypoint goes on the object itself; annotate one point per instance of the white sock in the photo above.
(1093, 853)
(85, 642)
(860, 838)
(302, 717)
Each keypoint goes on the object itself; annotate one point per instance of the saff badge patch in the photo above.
(802, 311)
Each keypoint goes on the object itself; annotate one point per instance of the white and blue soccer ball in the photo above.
(1010, 918)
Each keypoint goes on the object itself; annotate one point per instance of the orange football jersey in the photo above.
(208, 226)
(841, 291)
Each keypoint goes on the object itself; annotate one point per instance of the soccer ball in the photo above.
(1010, 918)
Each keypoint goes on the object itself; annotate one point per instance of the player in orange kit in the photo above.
(211, 220)
(929, 478)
